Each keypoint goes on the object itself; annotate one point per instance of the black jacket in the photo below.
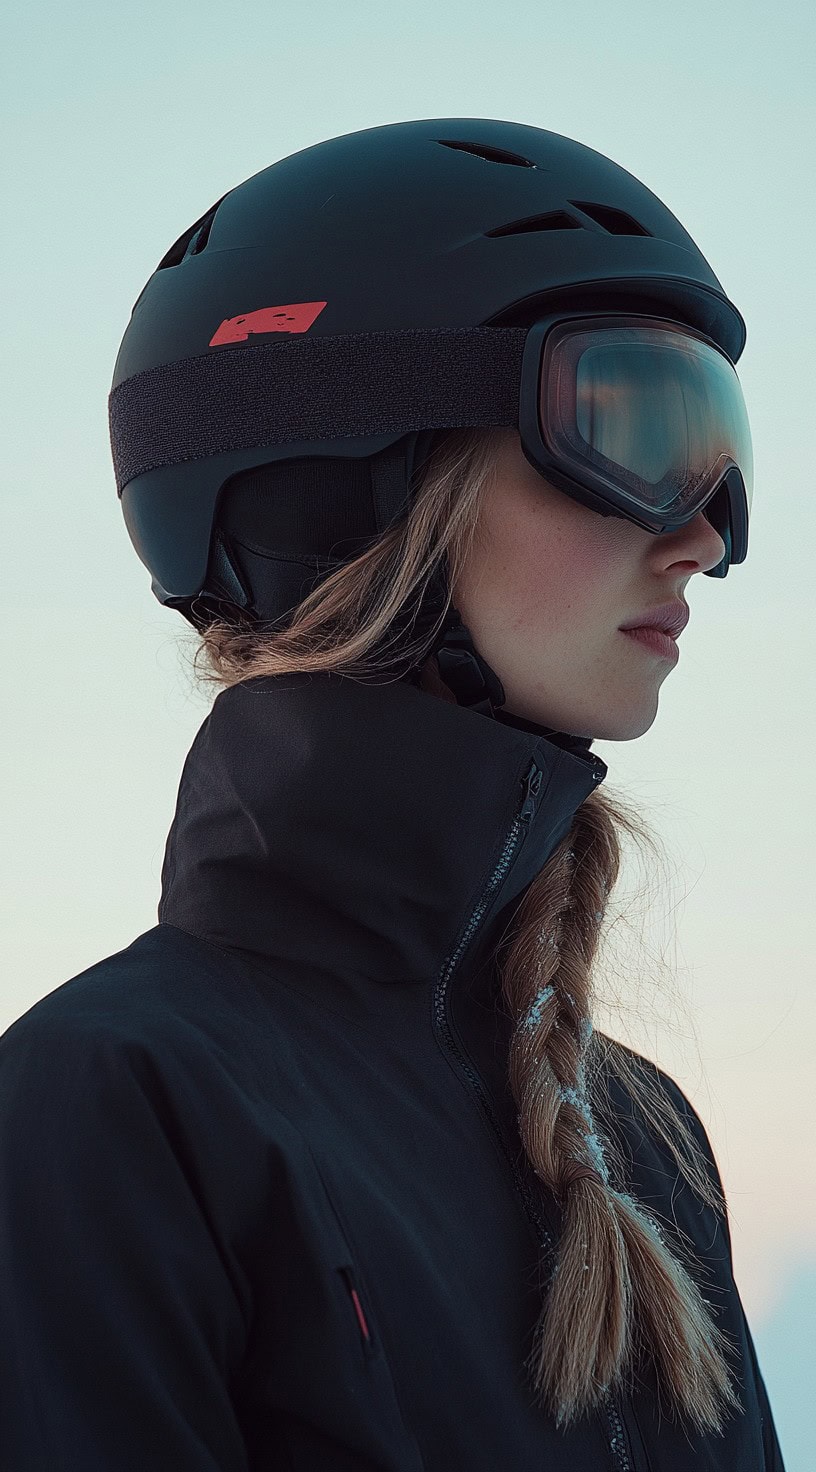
(263, 1200)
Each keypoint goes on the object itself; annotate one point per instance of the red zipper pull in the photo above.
(361, 1319)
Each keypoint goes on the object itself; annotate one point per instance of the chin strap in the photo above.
(470, 678)
(467, 675)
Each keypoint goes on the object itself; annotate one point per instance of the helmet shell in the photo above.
(446, 222)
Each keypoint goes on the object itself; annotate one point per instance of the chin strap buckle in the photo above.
(463, 670)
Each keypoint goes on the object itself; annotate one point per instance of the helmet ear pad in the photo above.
(281, 528)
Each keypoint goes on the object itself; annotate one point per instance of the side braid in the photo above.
(567, 1064)
(617, 1288)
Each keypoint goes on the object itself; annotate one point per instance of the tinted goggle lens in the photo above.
(652, 411)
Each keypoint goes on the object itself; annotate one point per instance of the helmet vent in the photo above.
(555, 220)
(200, 238)
(492, 155)
(193, 241)
(617, 222)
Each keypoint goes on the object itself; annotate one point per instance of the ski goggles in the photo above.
(640, 417)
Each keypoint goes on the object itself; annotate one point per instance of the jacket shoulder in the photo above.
(667, 1085)
(164, 986)
(639, 1126)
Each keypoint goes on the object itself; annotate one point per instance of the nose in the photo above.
(716, 540)
(698, 542)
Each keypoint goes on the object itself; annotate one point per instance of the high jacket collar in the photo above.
(361, 834)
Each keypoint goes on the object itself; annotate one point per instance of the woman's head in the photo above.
(543, 583)
(546, 585)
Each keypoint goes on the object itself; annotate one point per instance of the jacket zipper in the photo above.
(531, 787)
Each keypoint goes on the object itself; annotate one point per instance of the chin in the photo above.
(625, 725)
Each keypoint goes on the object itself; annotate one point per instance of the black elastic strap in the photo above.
(306, 388)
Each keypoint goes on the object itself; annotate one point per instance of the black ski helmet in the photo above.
(273, 397)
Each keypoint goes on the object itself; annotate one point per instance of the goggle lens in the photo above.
(653, 411)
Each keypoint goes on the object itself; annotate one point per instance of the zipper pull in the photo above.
(531, 787)
(358, 1308)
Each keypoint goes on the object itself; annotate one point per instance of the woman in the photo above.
(332, 1169)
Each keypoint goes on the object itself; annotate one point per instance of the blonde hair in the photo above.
(618, 1288)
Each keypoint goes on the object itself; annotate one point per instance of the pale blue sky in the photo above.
(121, 126)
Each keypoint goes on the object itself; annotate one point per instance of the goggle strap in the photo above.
(306, 388)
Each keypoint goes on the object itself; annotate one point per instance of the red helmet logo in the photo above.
(296, 318)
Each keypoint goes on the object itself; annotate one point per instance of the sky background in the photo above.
(121, 126)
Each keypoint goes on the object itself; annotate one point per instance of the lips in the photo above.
(668, 618)
(655, 640)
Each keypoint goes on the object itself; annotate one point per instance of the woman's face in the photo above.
(547, 585)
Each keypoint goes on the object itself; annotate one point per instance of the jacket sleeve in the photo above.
(770, 1440)
(121, 1328)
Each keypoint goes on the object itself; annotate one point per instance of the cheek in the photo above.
(560, 575)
